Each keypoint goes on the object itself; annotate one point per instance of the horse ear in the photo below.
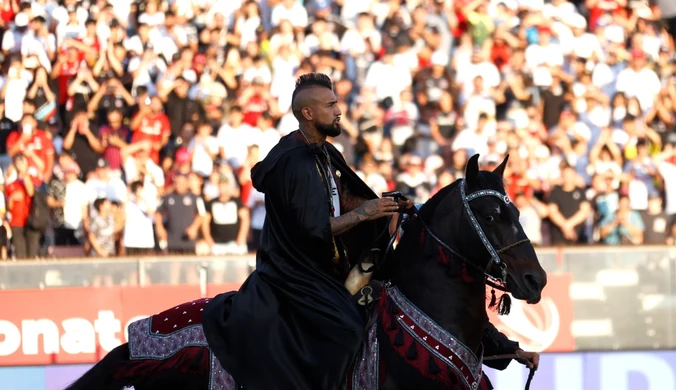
(472, 170)
(500, 169)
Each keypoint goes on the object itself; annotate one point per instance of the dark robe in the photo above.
(496, 343)
(293, 325)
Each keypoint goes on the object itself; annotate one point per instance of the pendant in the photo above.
(338, 173)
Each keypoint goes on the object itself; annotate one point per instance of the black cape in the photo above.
(496, 343)
(293, 325)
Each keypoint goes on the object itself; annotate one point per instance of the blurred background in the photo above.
(128, 130)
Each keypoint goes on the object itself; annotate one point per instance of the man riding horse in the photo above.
(296, 322)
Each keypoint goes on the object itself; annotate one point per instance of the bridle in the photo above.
(494, 254)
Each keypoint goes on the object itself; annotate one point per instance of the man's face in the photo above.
(28, 123)
(326, 113)
(115, 118)
(156, 105)
(35, 26)
(236, 118)
(181, 89)
(181, 183)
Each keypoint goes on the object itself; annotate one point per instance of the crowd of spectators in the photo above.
(133, 124)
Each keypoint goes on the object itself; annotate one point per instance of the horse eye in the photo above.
(490, 218)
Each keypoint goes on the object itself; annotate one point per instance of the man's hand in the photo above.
(377, 208)
(406, 204)
(368, 211)
(529, 359)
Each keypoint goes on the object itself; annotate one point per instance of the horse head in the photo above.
(493, 238)
(473, 222)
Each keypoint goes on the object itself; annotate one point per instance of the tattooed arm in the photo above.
(368, 211)
(351, 201)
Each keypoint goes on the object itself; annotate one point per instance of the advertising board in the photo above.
(570, 371)
(80, 325)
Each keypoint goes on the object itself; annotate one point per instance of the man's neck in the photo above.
(312, 135)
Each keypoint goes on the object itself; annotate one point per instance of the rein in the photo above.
(531, 371)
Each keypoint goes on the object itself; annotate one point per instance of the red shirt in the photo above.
(68, 72)
(19, 208)
(152, 129)
(40, 145)
(253, 109)
(7, 13)
(601, 8)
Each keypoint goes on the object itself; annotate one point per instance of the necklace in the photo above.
(324, 170)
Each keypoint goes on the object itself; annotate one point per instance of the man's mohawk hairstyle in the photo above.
(312, 79)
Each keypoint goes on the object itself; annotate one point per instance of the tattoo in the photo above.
(350, 201)
(349, 220)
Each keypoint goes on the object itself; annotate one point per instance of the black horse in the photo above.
(431, 313)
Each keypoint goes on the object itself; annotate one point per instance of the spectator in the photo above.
(151, 124)
(138, 229)
(568, 210)
(622, 227)
(19, 193)
(102, 184)
(115, 137)
(68, 198)
(82, 141)
(102, 229)
(35, 146)
(227, 222)
(179, 218)
(656, 222)
(203, 150)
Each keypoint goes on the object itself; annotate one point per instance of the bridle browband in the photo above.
(495, 254)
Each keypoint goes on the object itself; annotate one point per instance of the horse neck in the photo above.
(456, 302)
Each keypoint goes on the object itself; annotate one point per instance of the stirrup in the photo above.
(374, 254)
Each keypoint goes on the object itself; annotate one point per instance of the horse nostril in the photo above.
(532, 282)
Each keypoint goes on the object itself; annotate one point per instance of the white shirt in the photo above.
(114, 190)
(75, 202)
(471, 141)
(16, 92)
(201, 150)
(152, 182)
(257, 209)
(138, 226)
(234, 142)
(668, 172)
(38, 46)
(388, 80)
(644, 85)
(267, 140)
(297, 15)
(11, 41)
(550, 55)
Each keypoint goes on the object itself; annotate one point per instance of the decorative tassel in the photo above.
(393, 324)
(399, 338)
(434, 368)
(412, 352)
(505, 305)
(494, 301)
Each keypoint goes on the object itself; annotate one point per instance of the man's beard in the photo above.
(332, 129)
